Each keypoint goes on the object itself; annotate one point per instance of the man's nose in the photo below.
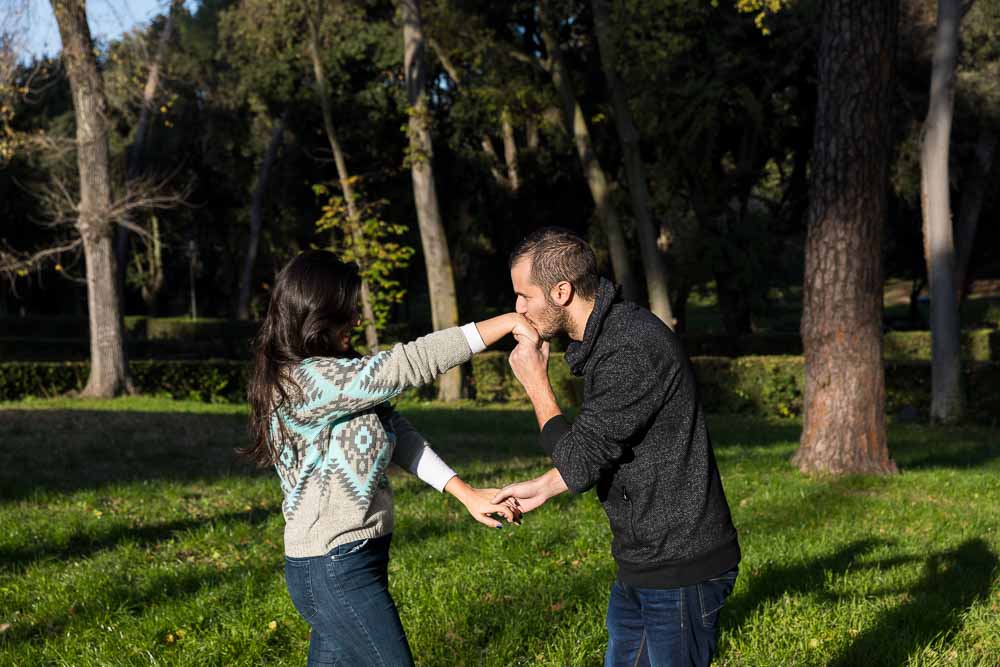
(519, 306)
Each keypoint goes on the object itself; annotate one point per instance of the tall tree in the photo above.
(440, 277)
(313, 17)
(947, 400)
(257, 217)
(844, 403)
(652, 260)
(134, 168)
(109, 374)
(576, 127)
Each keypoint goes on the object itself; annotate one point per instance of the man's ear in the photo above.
(562, 293)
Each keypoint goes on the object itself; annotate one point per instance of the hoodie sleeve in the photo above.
(628, 388)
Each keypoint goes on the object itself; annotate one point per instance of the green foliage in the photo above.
(371, 242)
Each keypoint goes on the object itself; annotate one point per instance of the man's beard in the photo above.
(553, 321)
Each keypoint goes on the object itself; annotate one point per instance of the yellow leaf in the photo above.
(272, 626)
(169, 639)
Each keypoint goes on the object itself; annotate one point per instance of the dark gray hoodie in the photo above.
(641, 439)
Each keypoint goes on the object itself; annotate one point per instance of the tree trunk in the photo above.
(947, 400)
(346, 185)
(510, 150)
(134, 152)
(440, 279)
(575, 126)
(154, 254)
(109, 373)
(652, 260)
(257, 218)
(970, 208)
(843, 427)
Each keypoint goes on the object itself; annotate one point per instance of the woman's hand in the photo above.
(477, 502)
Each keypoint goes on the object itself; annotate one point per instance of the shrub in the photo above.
(768, 386)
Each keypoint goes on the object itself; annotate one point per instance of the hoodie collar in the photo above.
(577, 352)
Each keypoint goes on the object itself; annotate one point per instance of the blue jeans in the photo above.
(665, 627)
(344, 596)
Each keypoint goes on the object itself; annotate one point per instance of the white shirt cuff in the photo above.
(432, 470)
(475, 341)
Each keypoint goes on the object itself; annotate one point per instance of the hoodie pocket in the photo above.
(618, 507)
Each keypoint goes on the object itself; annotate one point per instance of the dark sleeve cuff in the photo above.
(552, 432)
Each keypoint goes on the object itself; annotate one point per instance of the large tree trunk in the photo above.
(652, 260)
(947, 400)
(257, 219)
(346, 185)
(134, 168)
(575, 125)
(974, 192)
(843, 427)
(109, 374)
(440, 278)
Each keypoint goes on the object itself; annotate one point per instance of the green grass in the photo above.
(131, 536)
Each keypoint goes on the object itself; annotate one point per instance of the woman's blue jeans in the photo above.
(344, 596)
(665, 627)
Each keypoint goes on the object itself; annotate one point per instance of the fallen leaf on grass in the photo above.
(4, 627)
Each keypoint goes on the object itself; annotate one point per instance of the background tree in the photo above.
(440, 278)
(947, 398)
(109, 373)
(843, 427)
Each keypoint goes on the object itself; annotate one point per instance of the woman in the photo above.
(319, 414)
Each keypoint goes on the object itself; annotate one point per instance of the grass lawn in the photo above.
(131, 536)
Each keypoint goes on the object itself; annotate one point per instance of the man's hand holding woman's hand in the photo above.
(479, 505)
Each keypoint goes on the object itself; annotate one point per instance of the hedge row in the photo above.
(176, 339)
(977, 345)
(747, 385)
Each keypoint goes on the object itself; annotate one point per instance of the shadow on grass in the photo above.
(953, 581)
(72, 450)
(84, 545)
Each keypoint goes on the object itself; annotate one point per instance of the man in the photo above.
(640, 438)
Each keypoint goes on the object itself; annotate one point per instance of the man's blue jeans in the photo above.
(344, 596)
(665, 627)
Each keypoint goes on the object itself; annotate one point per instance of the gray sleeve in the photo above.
(337, 386)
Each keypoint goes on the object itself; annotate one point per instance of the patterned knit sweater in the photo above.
(341, 436)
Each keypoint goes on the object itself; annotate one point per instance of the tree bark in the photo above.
(510, 150)
(257, 218)
(652, 261)
(346, 185)
(970, 208)
(947, 399)
(575, 126)
(844, 400)
(109, 373)
(134, 154)
(440, 277)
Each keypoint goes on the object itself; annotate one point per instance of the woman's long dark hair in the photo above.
(315, 297)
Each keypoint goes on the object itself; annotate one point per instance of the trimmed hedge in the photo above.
(38, 338)
(211, 381)
(977, 345)
(769, 386)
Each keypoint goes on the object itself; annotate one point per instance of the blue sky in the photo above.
(108, 19)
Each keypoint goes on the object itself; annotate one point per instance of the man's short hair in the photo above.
(557, 254)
